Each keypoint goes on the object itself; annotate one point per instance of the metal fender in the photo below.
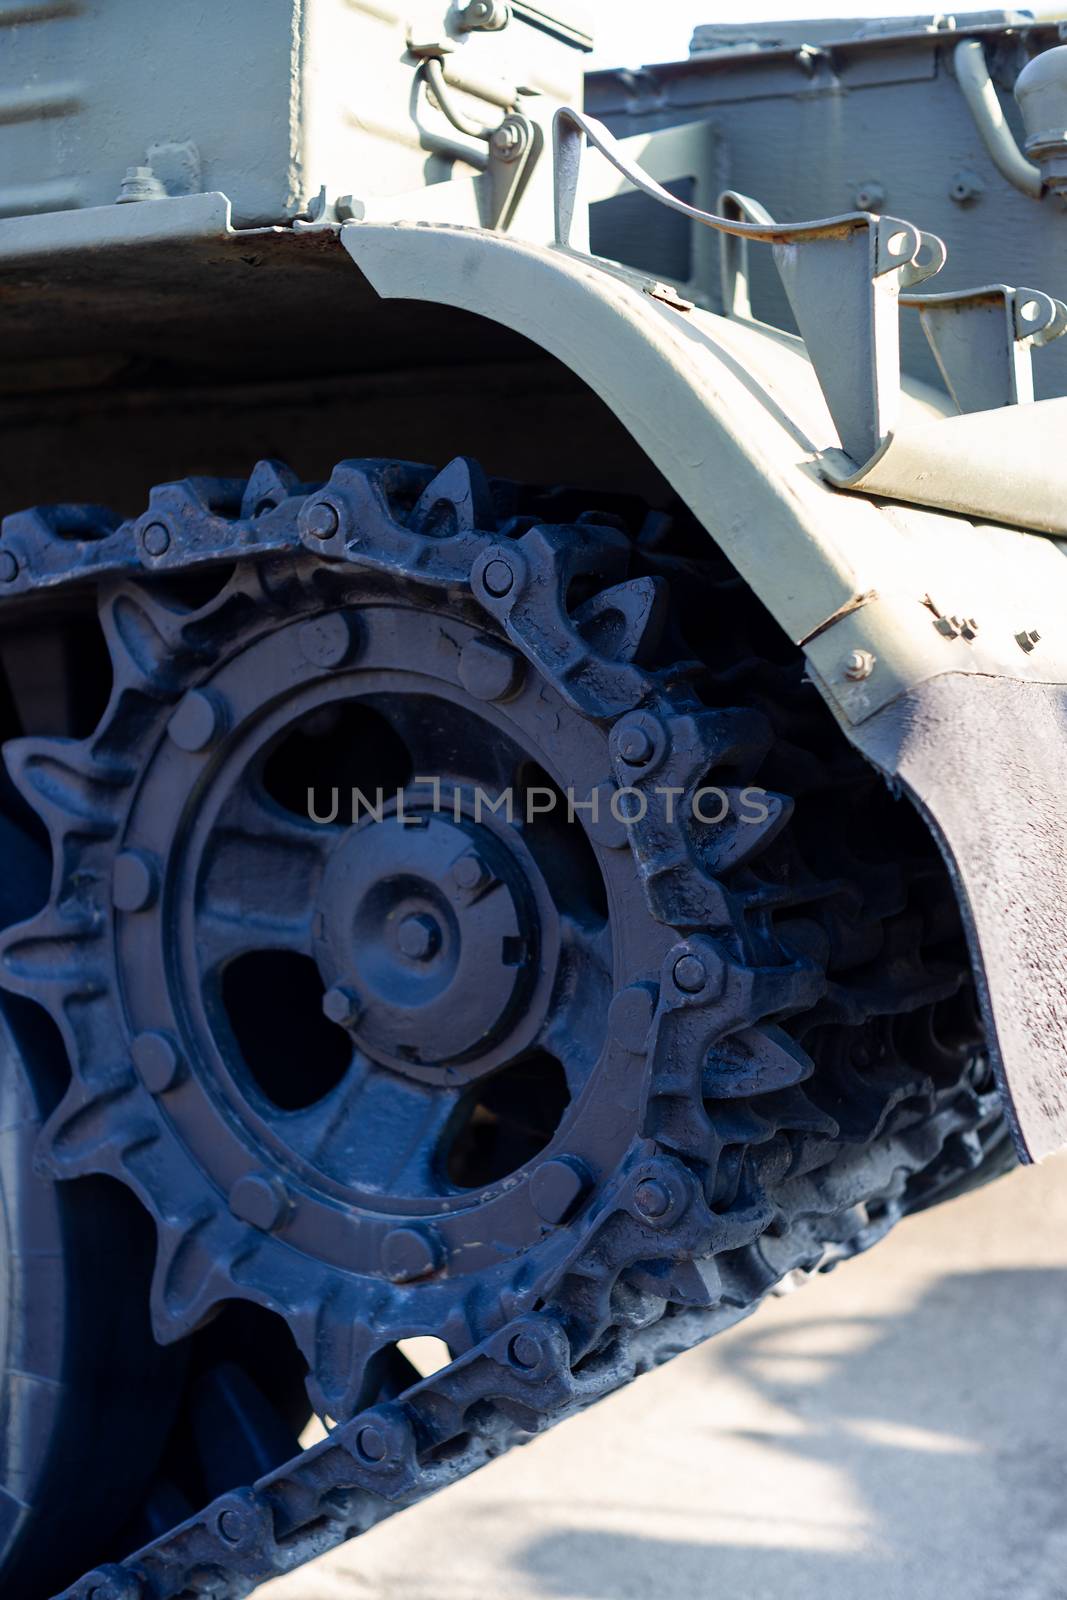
(937, 641)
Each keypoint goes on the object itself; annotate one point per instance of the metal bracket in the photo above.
(982, 340)
(842, 276)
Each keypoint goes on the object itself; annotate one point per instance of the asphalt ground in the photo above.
(895, 1430)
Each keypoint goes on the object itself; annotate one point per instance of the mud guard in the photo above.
(985, 761)
(971, 721)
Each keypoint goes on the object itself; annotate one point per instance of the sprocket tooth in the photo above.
(755, 1061)
(742, 837)
(458, 500)
(85, 1135)
(626, 622)
(269, 484)
(691, 1284)
(61, 780)
(46, 959)
(348, 1360)
(186, 1282)
(144, 640)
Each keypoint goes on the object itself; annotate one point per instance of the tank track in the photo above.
(744, 1167)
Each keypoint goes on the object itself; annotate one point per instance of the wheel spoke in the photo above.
(379, 1130)
(487, 763)
(259, 880)
(574, 1031)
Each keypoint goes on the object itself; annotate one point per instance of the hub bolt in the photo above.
(322, 520)
(419, 938)
(470, 874)
(690, 974)
(341, 1005)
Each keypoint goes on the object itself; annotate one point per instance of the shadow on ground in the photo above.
(919, 1454)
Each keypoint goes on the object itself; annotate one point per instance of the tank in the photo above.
(532, 700)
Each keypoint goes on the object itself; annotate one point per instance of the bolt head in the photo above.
(418, 938)
(859, 665)
(322, 520)
(555, 1189)
(198, 721)
(407, 1254)
(260, 1200)
(525, 1352)
(155, 537)
(328, 641)
(630, 1017)
(469, 873)
(690, 974)
(134, 882)
(9, 567)
(498, 579)
(341, 1005)
(489, 671)
(158, 1063)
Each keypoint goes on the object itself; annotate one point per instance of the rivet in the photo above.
(407, 1254)
(9, 567)
(525, 1351)
(113, 1583)
(489, 671)
(197, 722)
(341, 1005)
(231, 1525)
(652, 1199)
(158, 1063)
(635, 745)
(555, 1188)
(372, 1444)
(155, 537)
(859, 665)
(322, 520)
(498, 578)
(259, 1200)
(134, 881)
(328, 641)
(690, 974)
(630, 1017)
